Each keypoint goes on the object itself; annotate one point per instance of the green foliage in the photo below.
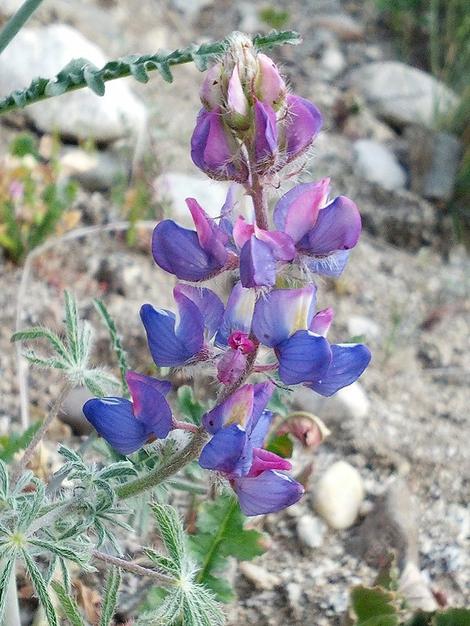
(68, 605)
(13, 443)
(189, 406)
(111, 595)
(221, 534)
(282, 445)
(275, 18)
(115, 342)
(374, 607)
(32, 201)
(72, 353)
(186, 601)
(80, 73)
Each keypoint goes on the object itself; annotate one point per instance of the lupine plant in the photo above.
(262, 338)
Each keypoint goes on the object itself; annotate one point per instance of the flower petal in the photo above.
(208, 303)
(150, 406)
(238, 314)
(265, 460)
(331, 265)
(177, 250)
(269, 492)
(211, 238)
(172, 345)
(348, 363)
(321, 321)
(282, 312)
(162, 386)
(114, 420)
(265, 135)
(304, 357)
(338, 227)
(281, 244)
(257, 264)
(224, 450)
(297, 211)
(231, 366)
(236, 409)
(303, 124)
(242, 231)
(269, 85)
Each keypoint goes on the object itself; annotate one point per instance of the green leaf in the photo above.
(121, 469)
(281, 445)
(139, 72)
(5, 573)
(4, 480)
(452, 617)
(40, 587)
(75, 554)
(108, 607)
(170, 528)
(221, 533)
(37, 332)
(94, 80)
(374, 607)
(32, 505)
(68, 605)
(116, 343)
(188, 405)
(72, 323)
(166, 565)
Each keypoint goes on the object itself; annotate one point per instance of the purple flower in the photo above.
(239, 426)
(302, 124)
(265, 139)
(215, 150)
(323, 233)
(181, 342)
(285, 321)
(260, 250)
(188, 254)
(127, 425)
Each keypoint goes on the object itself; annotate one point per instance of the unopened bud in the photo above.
(270, 87)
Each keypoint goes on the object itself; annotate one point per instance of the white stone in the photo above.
(44, 52)
(257, 575)
(339, 494)
(378, 164)
(404, 94)
(175, 187)
(9, 7)
(359, 325)
(333, 61)
(415, 589)
(348, 403)
(311, 531)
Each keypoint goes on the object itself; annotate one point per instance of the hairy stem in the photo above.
(158, 475)
(260, 202)
(17, 21)
(129, 566)
(29, 452)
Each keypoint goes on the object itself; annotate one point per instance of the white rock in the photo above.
(311, 531)
(339, 494)
(378, 164)
(403, 93)
(440, 178)
(349, 403)
(9, 7)
(82, 114)
(415, 589)
(259, 576)
(175, 187)
(96, 171)
(333, 60)
(360, 325)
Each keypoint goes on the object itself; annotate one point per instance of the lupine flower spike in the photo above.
(249, 130)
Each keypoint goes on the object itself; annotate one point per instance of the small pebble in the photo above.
(339, 495)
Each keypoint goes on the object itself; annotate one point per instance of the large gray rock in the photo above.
(440, 179)
(82, 114)
(404, 94)
(378, 164)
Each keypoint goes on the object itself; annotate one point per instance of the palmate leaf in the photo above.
(5, 573)
(40, 588)
(116, 343)
(374, 607)
(68, 605)
(221, 533)
(13, 443)
(108, 607)
(171, 530)
(80, 73)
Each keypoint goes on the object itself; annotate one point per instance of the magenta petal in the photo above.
(269, 492)
(321, 322)
(297, 211)
(211, 238)
(282, 312)
(264, 460)
(257, 264)
(242, 231)
(303, 124)
(337, 228)
(270, 87)
(231, 366)
(281, 244)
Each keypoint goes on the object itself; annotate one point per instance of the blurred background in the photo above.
(392, 81)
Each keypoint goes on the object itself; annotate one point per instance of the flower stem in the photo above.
(260, 203)
(158, 475)
(17, 21)
(30, 450)
(129, 566)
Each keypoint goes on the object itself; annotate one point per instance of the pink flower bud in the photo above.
(269, 86)
(237, 103)
(211, 89)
